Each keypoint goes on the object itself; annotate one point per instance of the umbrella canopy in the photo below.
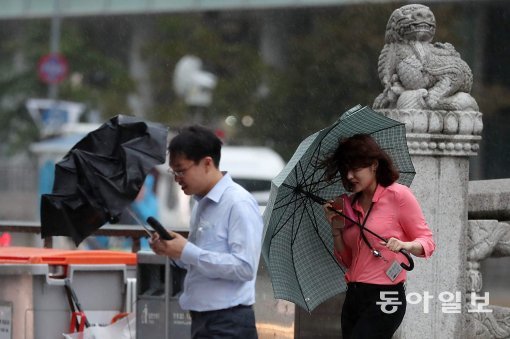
(298, 246)
(100, 176)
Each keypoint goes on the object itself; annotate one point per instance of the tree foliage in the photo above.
(227, 47)
(98, 73)
(330, 64)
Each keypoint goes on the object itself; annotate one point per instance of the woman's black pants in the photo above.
(372, 311)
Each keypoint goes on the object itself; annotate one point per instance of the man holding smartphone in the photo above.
(222, 251)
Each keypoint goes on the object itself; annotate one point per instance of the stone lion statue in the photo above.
(419, 74)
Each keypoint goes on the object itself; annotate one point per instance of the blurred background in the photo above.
(261, 73)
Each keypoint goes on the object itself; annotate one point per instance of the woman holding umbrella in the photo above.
(387, 208)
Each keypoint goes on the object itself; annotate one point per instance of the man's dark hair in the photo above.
(357, 151)
(195, 143)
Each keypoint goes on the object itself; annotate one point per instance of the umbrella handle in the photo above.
(409, 259)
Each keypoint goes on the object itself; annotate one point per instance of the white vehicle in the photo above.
(251, 167)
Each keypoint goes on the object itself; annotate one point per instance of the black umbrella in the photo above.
(100, 176)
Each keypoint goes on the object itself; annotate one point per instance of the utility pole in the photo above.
(54, 44)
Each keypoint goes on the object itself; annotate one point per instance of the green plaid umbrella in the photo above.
(298, 246)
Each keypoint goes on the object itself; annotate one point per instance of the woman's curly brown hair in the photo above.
(358, 151)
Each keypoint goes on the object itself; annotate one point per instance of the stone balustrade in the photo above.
(488, 236)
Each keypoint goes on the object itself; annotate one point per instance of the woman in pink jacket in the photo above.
(387, 208)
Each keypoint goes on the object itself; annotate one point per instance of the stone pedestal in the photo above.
(441, 143)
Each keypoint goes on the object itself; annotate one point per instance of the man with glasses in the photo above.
(222, 251)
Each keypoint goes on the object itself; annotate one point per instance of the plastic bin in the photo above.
(32, 281)
(158, 314)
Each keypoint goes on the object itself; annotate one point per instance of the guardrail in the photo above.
(135, 232)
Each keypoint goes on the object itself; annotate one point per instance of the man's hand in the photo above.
(170, 248)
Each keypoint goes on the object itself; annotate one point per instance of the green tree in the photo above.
(332, 66)
(98, 66)
(226, 45)
(20, 46)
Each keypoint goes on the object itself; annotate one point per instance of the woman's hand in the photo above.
(395, 245)
(336, 221)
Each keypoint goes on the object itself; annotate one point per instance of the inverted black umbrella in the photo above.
(100, 176)
(298, 246)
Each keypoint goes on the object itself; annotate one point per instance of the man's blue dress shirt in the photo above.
(223, 249)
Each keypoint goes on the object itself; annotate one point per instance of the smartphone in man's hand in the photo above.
(156, 225)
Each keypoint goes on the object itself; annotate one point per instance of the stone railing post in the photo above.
(441, 186)
(426, 86)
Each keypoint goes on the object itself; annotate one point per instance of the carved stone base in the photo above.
(440, 144)
(452, 133)
(489, 325)
(437, 122)
(486, 238)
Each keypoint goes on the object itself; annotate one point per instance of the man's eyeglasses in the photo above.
(181, 172)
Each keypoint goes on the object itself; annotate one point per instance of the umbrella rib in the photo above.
(294, 265)
(293, 217)
(292, 249)
(304, 170)
(314, 154)
(305, 185)
(298, 165)
(316, 183)
(294, 234)
(290, 216)
(314, 186)
(292, 192)
(315, 223)
(328, 184)
(298, 197)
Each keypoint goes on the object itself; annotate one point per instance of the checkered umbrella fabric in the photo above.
(298, 246)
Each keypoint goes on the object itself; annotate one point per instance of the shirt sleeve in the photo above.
(413, 222)
(240, 261)
(179, 263)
